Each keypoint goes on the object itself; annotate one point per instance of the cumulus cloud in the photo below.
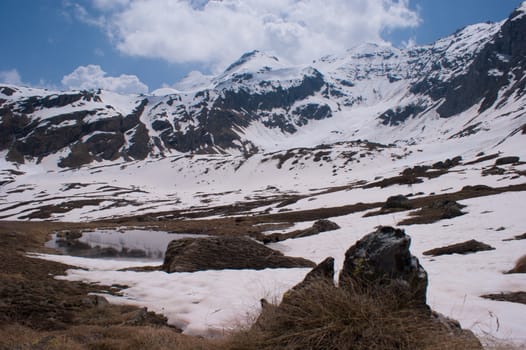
(93, 77)
(10, 77)
(110, 4)
(216, 32)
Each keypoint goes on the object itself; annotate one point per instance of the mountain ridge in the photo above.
(372, 92)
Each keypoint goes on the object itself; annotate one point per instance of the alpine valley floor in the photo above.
(279, 192)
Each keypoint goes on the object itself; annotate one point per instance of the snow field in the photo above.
(212, 302)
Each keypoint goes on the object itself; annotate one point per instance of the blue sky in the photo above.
(141, 45)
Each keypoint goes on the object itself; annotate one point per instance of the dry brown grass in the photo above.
(520, 265)
(324, 317)
(101, 338)
(427, 213)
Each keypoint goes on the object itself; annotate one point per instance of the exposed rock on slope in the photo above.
(499, 66)
(379, 303)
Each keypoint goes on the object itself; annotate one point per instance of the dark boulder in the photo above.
(476, 188)
(468, 247)
(218, 253)
(322, 273)
(319, 226)
(495, 170)
(383, 258)
(449, 209)
(397, 202)
(324, 270)
(325, 225)
(416, 171)
(448, 163)
(507, 160)
(378, 304)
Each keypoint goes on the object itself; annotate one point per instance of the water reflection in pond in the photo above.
(115, 243)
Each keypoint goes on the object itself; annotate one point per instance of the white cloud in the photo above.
(110, 4)
(81, 14)
(10, 77)
(93, 77)
(216, 32)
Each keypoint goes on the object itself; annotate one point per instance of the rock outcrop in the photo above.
(380, 302)
(379, 260)
(382, 258)
(448, 208)
(399, 202)
(218, 253)
(322, 273)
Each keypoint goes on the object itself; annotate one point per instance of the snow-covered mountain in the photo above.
(470, 82)
(271, 148)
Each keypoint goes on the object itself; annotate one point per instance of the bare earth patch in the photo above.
(512, 297)
(468, 247)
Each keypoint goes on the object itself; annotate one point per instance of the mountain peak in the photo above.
(369, 50)
(519, 11)
(257, 58)
(262, 104)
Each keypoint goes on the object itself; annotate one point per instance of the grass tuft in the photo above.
(322, 316)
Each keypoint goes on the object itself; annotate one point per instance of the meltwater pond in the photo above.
(105, 243)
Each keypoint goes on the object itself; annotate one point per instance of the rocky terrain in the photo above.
(197, 204)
